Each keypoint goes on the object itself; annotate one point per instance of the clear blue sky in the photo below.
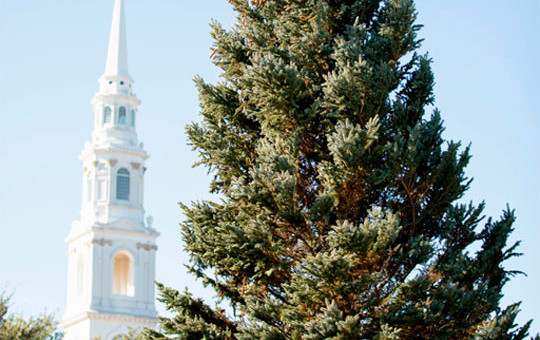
(486, 65)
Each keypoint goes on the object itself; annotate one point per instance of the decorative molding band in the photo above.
(105, 97)
(122, 318)
(102, 242)
(117, 150)
(109, 317)
(146, 247)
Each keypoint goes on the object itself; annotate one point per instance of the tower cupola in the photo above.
(115, 104)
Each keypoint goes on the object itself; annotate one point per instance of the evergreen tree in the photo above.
(15, 327)
(338, 215)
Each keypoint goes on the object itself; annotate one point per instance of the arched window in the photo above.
(122, 184)
(107, 115)
(123, 274)
(132, 118)
(122, 115)
(80, 276)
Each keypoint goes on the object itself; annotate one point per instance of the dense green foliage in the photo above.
(132, 334)
(338, 215)
(15, 327)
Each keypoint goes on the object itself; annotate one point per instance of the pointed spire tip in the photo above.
(117, 61)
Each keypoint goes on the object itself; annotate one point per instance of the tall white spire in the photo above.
(111, 250)
(117, 61)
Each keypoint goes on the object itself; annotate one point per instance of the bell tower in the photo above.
(111, 250)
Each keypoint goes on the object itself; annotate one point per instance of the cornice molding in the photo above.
(103, 97)
(121, 318)
(91, 315)
(112, 229)
(77, 231)
(113, 150)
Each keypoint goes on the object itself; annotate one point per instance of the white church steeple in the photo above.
(111, 250)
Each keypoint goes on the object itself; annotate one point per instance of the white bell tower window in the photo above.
(122, 115)
(123, 274)
(122, 184)
(107, 115)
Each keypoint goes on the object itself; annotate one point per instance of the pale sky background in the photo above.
(486, 65)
